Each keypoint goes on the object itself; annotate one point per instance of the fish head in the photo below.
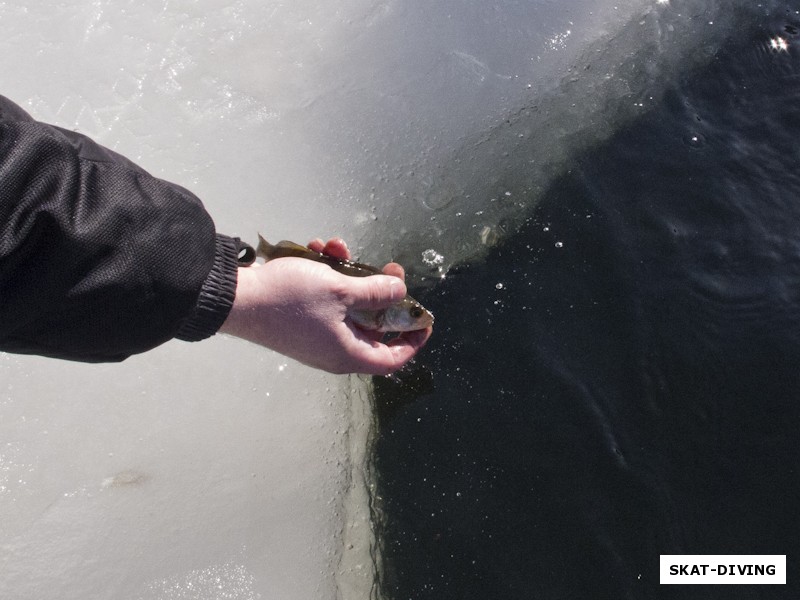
(406, 315)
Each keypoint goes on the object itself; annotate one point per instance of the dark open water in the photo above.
(620, 378)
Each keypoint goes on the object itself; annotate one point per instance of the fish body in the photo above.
(405, 315)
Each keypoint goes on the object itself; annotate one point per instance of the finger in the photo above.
(370, 336)
(383, 359)
(337, 247)
(317, 245)
(373, 292)
(395, 270)
(415, 339)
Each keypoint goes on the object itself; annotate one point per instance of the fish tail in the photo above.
(265, 249)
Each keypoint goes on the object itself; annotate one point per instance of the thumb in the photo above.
(375, 291)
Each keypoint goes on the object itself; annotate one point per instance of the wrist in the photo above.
(240, 313)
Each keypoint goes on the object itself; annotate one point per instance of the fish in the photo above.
(405, 315)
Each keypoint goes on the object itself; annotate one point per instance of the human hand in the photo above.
(299, 308)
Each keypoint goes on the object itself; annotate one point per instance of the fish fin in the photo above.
(265, 249)
(287, 245)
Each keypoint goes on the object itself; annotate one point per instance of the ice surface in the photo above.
(219, 470)
(117, 479)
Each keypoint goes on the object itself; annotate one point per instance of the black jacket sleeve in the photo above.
(98, 259)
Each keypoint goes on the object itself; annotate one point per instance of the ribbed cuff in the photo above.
(216, 295)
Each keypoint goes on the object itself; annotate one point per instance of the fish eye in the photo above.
(416, 312)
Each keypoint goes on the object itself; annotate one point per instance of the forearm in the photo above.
(98, 259)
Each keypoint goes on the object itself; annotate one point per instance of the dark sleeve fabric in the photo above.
(98, 259)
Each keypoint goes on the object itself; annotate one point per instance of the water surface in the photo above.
(618, 378)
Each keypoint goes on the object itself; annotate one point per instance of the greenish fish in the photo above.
(405, 315)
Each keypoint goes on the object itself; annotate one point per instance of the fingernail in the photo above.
(397, 289)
